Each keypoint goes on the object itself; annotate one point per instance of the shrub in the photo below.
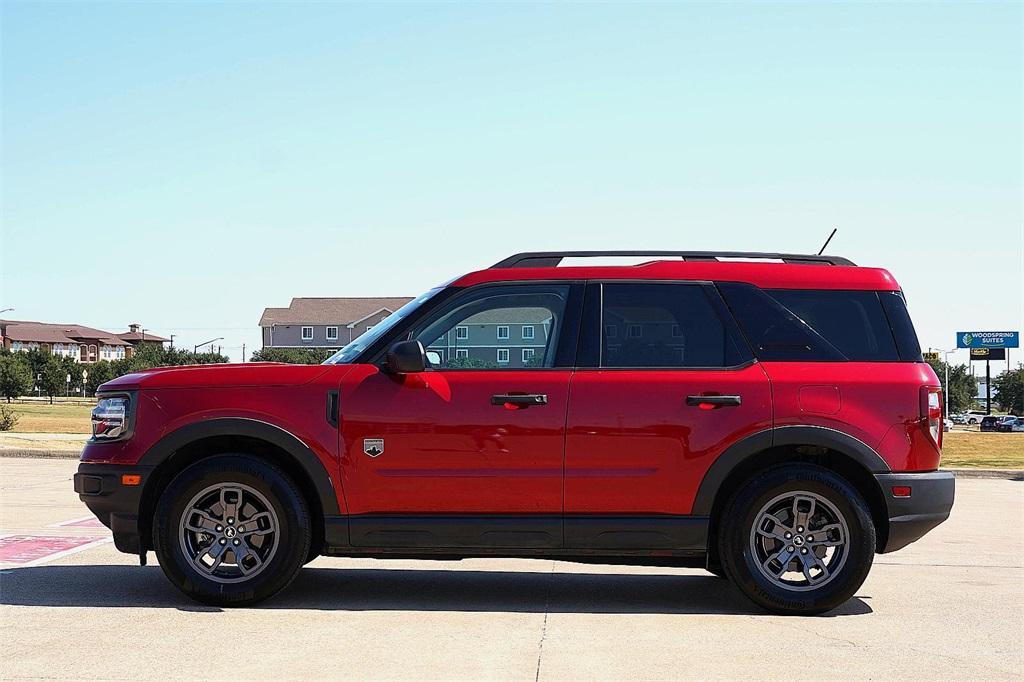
(8, 418)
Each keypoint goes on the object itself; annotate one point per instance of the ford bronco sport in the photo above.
(767, 417)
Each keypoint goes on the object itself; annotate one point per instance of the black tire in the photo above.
(738, 541)
(717, 572)
(286, 548)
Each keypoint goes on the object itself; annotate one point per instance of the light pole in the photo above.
(6, 310)
(195, 350)
(945, 361)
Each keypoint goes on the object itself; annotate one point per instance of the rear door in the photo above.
(665, 386)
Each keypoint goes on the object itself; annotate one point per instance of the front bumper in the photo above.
(929, 503)
(115, 504)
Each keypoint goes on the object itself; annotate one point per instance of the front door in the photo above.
(665, 387)
(468, 453)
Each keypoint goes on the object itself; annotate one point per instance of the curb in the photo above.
(18, 453)
(1005, 474)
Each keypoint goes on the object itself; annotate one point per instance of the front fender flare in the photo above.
(252, 428)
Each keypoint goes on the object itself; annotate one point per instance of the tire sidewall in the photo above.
(289, 506)
(742, 565)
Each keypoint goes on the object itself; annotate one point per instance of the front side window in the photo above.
(307, 333)
(667, 326)
(473, 329)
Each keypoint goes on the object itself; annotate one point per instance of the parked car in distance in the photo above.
(947, 424)
(989, 422)
(768, 417)
(958, 419)
(1010, 423)
(975, 416)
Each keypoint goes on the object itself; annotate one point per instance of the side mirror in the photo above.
(406, 357)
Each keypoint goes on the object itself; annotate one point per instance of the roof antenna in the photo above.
(834, 230)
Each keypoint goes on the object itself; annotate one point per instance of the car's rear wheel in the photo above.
(231, 530)
(797, 539)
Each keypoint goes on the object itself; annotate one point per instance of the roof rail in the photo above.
(549, 259)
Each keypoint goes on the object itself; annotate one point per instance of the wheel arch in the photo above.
(193, 442)
(839, 452)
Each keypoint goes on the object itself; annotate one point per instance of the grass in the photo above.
(960, 448)
(983, 450)
(56, 418)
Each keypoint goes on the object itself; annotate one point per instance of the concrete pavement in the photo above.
(950, 606)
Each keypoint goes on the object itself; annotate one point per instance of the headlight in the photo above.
(110, 418)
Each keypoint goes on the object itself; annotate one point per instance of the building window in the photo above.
(527, 355)
(16, 345)
(461, 353)
(503, 356)
(634, 331)
(462, 333)
(503, 332)
(677, 331)
(332, 333)
(528, 331)
(610, 331)
(307, 333)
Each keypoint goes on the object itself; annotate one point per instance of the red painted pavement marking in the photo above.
(24, 549)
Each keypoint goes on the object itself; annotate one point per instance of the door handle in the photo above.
(518, 401)
(711, 402)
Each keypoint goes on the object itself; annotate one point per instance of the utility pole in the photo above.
(243, 352)
(988, 388)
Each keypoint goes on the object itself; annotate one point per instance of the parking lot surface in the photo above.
(950, 606)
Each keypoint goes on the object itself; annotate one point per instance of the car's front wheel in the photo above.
(797, 539)
(231, 530)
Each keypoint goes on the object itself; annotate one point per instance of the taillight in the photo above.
(931, 412)
(110, 418)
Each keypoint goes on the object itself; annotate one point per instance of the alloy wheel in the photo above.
(229, 532)
(799, 541)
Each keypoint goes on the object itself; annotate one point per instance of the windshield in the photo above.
(352, 350)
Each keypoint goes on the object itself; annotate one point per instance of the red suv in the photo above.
(767, 417)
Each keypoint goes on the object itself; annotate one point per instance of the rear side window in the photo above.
(820, 325)
(663, 325)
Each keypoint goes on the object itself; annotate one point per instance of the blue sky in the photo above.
(185, 165)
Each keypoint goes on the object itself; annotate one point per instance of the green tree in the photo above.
(962, 386)
(1010, 389)
(53, 378)
(100, 372)
(15, 376)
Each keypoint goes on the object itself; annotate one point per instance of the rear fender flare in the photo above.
(750, 446)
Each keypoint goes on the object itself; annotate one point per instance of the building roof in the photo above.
(332, 311)
(45, 332)
(136, 337)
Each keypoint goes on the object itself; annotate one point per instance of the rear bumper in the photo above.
(928, 505)
(116, 505)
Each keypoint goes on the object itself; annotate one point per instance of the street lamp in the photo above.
(6, 310)
(195, 350)
(945, 361)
